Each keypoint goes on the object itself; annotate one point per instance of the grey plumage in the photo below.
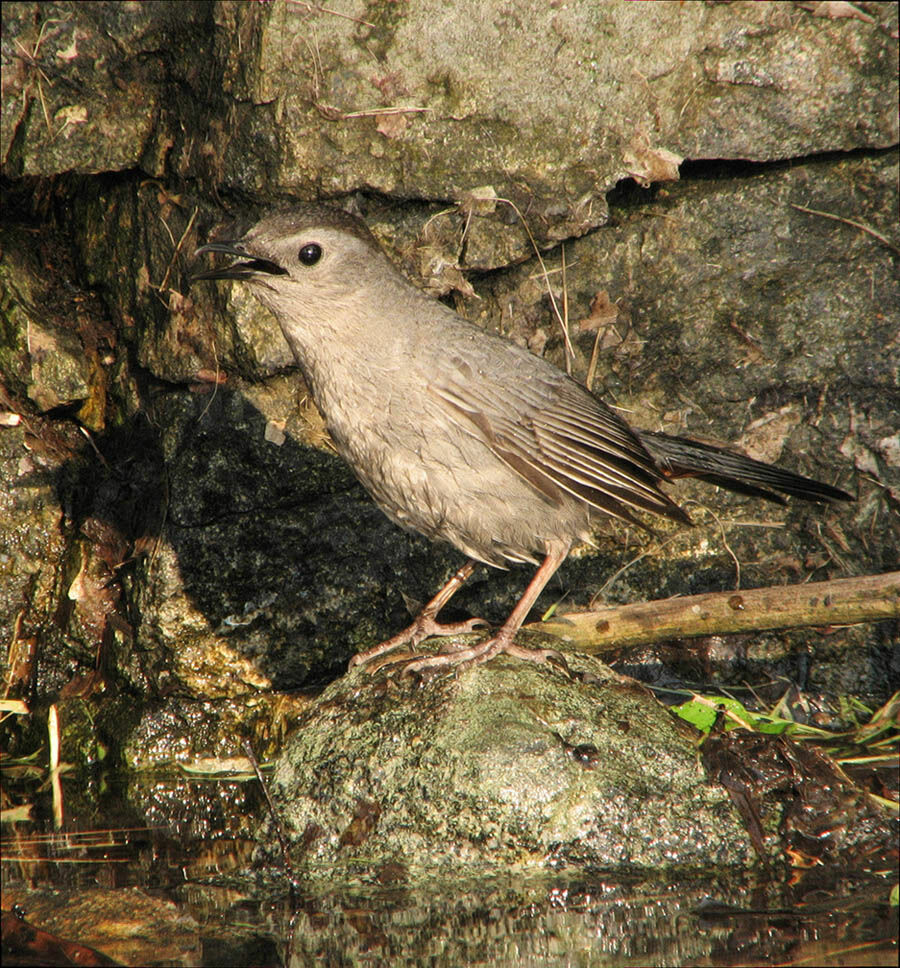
(457, 433)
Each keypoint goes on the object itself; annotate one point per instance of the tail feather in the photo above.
(681, 457)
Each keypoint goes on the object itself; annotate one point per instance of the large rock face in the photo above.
(173, 522)
(551, 104)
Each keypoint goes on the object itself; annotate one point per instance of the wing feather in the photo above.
(561, 440)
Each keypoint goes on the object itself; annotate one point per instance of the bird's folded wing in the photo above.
(561, 440)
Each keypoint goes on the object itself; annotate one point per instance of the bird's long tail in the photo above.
(681, 457)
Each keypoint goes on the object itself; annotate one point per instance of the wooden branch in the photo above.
(844, 601)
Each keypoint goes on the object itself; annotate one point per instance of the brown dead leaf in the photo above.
(764, 438)
(391, 125)
(863, 458)
(835, 9)
(603, 313)
(647, 165)
(20, 664)
(94, 598)
(478, 201)
(211, 376)
(83, 686)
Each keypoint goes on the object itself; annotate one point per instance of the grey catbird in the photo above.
(456, 433)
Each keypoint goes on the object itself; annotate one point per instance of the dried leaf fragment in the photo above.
(603, 313)
(838, 8)
(647, 165)
(479, 201)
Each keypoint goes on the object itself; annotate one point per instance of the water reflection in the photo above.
(145, 897)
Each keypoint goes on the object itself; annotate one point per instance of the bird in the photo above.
(460, 434)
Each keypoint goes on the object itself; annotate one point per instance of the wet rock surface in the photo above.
(499, 767)
(176, 536)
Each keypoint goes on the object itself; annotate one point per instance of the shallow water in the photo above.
(187, 893)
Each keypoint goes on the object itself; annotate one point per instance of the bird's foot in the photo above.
(425, 625)
(502, 642)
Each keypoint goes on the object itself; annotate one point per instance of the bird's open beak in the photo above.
(246, 266)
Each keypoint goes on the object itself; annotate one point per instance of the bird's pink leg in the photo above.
(425, 623)
(504, 640)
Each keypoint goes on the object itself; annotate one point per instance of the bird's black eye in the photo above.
(310, 254)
